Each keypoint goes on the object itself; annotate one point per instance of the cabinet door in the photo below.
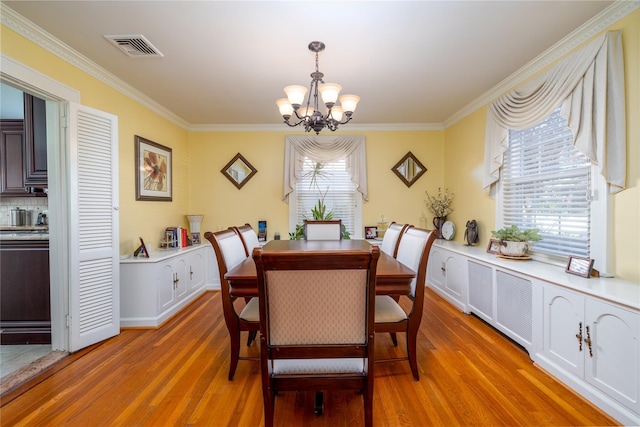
(166, 291)
(563, 320)
(181, 271)
(437, 267)
(11, 158)
(455, 277)
(614, 363)
(35, 132)
(196, 270)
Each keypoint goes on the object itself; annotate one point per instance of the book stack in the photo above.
(176, 237)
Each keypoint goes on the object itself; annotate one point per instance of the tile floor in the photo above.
(14, 357)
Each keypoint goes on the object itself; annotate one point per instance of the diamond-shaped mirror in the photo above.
(409, 169)
(239, 171)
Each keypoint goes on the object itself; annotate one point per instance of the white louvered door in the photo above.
(94, 227)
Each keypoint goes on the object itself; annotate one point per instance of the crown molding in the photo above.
(16, 22)
(580, 35)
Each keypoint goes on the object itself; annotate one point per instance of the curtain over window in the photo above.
(589, 85)
(324, 149)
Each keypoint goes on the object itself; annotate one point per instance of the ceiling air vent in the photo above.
(135, 46)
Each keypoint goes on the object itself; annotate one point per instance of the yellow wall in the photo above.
(453, 158)
(137, 219)
(222, 204)
(464, 154)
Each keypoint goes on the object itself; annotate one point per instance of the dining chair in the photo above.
(316, 337)
(248, 236)
(230, 252)
(323, 229)
(392, 237)
(413, 252)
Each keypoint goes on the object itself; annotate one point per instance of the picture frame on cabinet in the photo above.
(141, 250)
(371, 232)
(494, 246)
(580, 266)
(153, 171)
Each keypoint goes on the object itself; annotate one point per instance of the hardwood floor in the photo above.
(177, 375)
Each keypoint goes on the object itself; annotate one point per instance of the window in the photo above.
(330, 182)
(547, 184)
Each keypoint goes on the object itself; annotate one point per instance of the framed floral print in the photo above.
(153, 171)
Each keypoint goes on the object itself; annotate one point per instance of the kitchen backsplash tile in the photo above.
(33, 206)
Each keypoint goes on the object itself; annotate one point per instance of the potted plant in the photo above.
(516, 242)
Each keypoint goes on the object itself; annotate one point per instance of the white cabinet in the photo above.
(446, 274)
(154, 289)
(594, 345)
(551, 314)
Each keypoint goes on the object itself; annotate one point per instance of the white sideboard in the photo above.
(585, 332)
(154, 289)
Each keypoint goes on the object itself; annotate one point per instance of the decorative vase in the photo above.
(517, 249)
(194, 227)
(437, 223)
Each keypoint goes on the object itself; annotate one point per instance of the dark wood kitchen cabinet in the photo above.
(35, 140)
(23, 151)
(11, 158)
(25, 308)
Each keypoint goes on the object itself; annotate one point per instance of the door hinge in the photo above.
(68, 320)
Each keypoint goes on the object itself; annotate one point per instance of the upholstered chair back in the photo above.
(391, 238)
(323, 230)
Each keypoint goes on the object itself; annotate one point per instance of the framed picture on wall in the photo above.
(153, 171)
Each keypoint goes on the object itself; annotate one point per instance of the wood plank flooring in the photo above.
(177, 376)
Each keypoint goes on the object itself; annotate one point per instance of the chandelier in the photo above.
(308, 113)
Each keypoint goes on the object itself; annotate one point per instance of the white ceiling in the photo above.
(226, 62)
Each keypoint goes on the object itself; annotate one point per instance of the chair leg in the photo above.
(394, 338)
(269, 399)
(234, 338)
(368, 408)
(251, 338)
(318, 409)
(412, 353)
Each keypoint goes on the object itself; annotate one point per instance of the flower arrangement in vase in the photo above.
(440, 206)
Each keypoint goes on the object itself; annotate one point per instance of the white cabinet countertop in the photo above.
(609, 288)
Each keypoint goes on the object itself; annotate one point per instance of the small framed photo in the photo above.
(579, 266)
(153, 171)
(195, 238)
(371, 232)
(494, 246)
(142, 250)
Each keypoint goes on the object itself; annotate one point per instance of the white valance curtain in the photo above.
(590, 86)
(325, 149)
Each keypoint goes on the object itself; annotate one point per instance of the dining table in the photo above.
(392, 277)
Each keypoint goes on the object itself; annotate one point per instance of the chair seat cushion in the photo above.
(318, 366)
(388, 310)
(251, 312)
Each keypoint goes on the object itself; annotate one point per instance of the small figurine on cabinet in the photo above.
(471, 233)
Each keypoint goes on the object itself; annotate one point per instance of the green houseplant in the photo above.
(516, 242)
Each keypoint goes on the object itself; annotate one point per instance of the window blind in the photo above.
(546, 184)
(331, 181)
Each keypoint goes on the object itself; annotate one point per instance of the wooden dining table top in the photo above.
(392, 277)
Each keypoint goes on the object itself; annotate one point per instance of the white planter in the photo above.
(514, 248)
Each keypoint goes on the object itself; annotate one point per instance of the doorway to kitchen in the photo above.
(25, 324)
